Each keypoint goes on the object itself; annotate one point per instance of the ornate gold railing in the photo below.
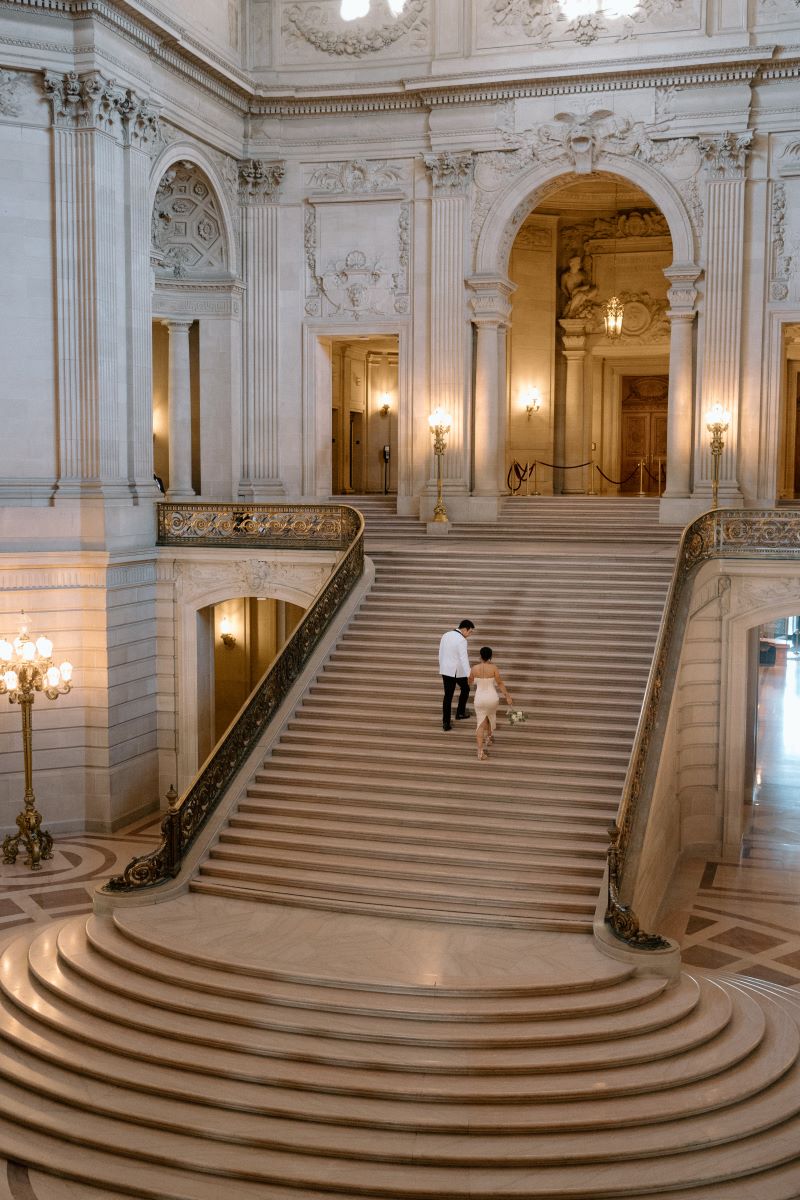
(235, 526)
(720, 534)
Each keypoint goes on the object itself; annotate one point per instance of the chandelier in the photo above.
(351, 10)
(614, 309)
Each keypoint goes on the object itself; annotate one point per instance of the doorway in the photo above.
(788, 482)
(643, 434)
(364, 415)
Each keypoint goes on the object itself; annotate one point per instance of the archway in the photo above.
(579, 397)
(524, 194)
(195, 335)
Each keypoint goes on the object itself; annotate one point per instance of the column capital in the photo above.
(91, 101)
(451, 174)
(725, 154)
(682, 294)
(259, 180)
(176, 325)
(491, 299)
(574, 336)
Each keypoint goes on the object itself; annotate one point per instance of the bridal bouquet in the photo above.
(516, 716)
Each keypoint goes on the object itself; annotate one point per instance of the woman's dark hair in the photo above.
(486, 653)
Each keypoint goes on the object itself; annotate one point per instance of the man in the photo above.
(454, 666)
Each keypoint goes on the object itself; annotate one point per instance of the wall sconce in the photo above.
(227, 637)
(386, 407)
(533, 401)
(717, 422)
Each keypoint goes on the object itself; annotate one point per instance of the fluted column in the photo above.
(258, 186)
(491, 307)
(574, 338)
(682, 296)
(180, 412)
(451, 175)
(725, 160)
(141, 127)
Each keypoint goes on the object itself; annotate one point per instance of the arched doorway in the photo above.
(196, 337)
(590, 409)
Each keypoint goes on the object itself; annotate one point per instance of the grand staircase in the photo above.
(382, 982)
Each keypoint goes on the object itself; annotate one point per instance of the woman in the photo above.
(485, 675)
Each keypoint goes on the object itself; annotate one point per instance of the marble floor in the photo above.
(744, 917)
(741, 918)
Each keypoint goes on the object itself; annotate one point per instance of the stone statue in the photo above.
(577, 290)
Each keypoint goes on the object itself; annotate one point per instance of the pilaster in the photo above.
(99, 229)
(451, 176)
(180, 412)
(725, 163)
(259, 182)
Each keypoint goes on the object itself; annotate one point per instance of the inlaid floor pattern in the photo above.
(382, 985)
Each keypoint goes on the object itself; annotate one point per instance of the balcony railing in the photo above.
(236, 526)
(759, 534)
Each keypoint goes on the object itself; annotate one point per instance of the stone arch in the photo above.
(211, 252)
(522, 195)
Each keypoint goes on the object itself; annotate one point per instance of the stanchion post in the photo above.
(591, 477)
(535, 491)
(641, 478)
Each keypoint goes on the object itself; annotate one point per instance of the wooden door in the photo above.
(357, 452)
(644, 433)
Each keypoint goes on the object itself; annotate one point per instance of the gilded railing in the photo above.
(720, 534)
(236, 526)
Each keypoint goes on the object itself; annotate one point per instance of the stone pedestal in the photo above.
(574, 338)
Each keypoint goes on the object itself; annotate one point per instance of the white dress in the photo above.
(486, 701)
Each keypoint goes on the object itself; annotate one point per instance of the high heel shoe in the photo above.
(483, 756)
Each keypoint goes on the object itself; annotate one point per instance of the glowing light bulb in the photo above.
(66, 671)
(53, 676)
(6, 650)
(44, 647)
(28, 651)
(351, 10)
(11, 680)
(439, 417)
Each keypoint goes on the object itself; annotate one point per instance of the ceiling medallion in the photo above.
(351, 10)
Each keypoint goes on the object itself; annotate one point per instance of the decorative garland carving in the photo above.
(188, 814)
(351, 42)
(781, 261)
(357, 175)
(765, 534)
(259, 180)
(537, 19)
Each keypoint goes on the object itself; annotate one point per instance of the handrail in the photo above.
(733, 533)
(256, 525)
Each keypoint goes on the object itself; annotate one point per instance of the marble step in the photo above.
(539, 849)
(475, 856)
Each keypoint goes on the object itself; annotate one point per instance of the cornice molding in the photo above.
(176, 49)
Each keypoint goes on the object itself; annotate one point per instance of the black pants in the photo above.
(450, 682)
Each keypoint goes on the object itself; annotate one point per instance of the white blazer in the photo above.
(453, 657)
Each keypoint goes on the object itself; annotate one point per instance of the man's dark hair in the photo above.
(465, 625)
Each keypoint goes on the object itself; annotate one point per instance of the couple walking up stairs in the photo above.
(382, 982)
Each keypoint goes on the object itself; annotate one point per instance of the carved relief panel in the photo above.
(542, 24)
(357, 259)
(312, 31)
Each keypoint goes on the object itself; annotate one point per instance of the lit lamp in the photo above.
(613, 312)
(386, 406)
(351, 10)
(533, 401)
(27, 667)
(227, 636)
(717, 421)
(439, 422)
